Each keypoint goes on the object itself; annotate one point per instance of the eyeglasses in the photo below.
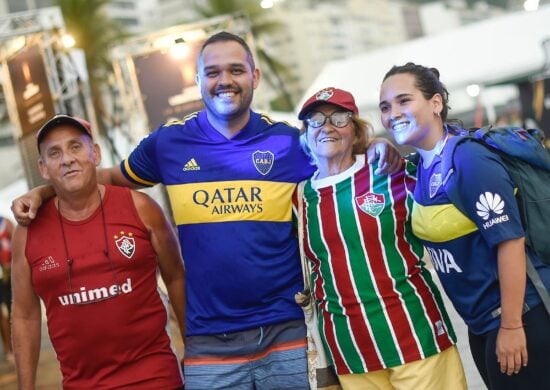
(85, 297)
(338, 119)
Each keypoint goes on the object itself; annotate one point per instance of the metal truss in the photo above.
(29, 22)
(68, 86)
(46, 26)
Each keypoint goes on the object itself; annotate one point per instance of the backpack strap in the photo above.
(448, 167)
(537, 282)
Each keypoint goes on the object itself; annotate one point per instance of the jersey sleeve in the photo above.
(141, 167)
(487, 193)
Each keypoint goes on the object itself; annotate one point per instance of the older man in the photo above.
(92, 255)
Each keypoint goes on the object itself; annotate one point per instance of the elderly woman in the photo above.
(381, 317)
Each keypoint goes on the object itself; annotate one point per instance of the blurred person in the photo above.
(6, 232)
(230, 174)
(482, 266)
(381, 316)
(92, 255)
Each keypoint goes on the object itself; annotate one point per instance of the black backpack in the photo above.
(527, 162)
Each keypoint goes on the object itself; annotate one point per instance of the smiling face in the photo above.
(227, 80)
(407, 114)
(68, 159)
(330, 143)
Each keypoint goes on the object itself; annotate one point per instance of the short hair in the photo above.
(427, 81)
(224, 36)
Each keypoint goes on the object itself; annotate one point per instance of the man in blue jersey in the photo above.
(230, 174)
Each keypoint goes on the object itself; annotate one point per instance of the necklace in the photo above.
(75, 295)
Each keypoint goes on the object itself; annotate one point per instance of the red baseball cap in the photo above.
(331, 95)
(79, 123)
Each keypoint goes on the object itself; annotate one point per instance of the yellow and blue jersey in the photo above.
(463, 248)
(231, 201)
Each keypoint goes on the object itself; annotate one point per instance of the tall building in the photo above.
(142, 16)
(11, 6)
(314, 32)
(442, 16)
(318, 32)
(137, 16)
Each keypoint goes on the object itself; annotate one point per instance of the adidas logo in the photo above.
(191, 165)
(48, 264)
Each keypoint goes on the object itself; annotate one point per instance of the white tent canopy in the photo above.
(487, 52)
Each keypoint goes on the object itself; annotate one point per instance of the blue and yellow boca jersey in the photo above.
(463, 248)
(231, 201)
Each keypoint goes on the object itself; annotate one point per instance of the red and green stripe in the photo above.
(373, 315)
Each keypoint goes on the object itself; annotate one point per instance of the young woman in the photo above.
(480, 259)
(381, 317)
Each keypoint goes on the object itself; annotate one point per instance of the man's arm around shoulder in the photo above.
(26, 315)
(25, 207)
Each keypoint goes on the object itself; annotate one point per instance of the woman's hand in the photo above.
(511, 349)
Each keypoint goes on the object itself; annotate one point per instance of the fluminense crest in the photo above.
(371, 203)
(324, 94)
(125, 244)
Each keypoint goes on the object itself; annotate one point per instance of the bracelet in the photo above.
(513, 328)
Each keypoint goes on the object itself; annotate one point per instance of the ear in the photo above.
(256, 78)
(43, 170)
(97, 155)
(437, 104)
(198, 80)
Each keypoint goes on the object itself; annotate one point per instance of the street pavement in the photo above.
(472, 376)
(48, 374)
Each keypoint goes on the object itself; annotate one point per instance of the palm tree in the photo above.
(95, 33)
(260, 26)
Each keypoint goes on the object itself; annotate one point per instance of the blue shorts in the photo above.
(269, 357)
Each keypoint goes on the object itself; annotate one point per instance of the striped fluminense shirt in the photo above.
(378, 304)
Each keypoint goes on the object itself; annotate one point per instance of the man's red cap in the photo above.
(79, 123)
(330, 95)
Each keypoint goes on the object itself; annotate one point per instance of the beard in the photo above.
(228, 108)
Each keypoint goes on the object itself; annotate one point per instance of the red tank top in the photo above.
(117, 342)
